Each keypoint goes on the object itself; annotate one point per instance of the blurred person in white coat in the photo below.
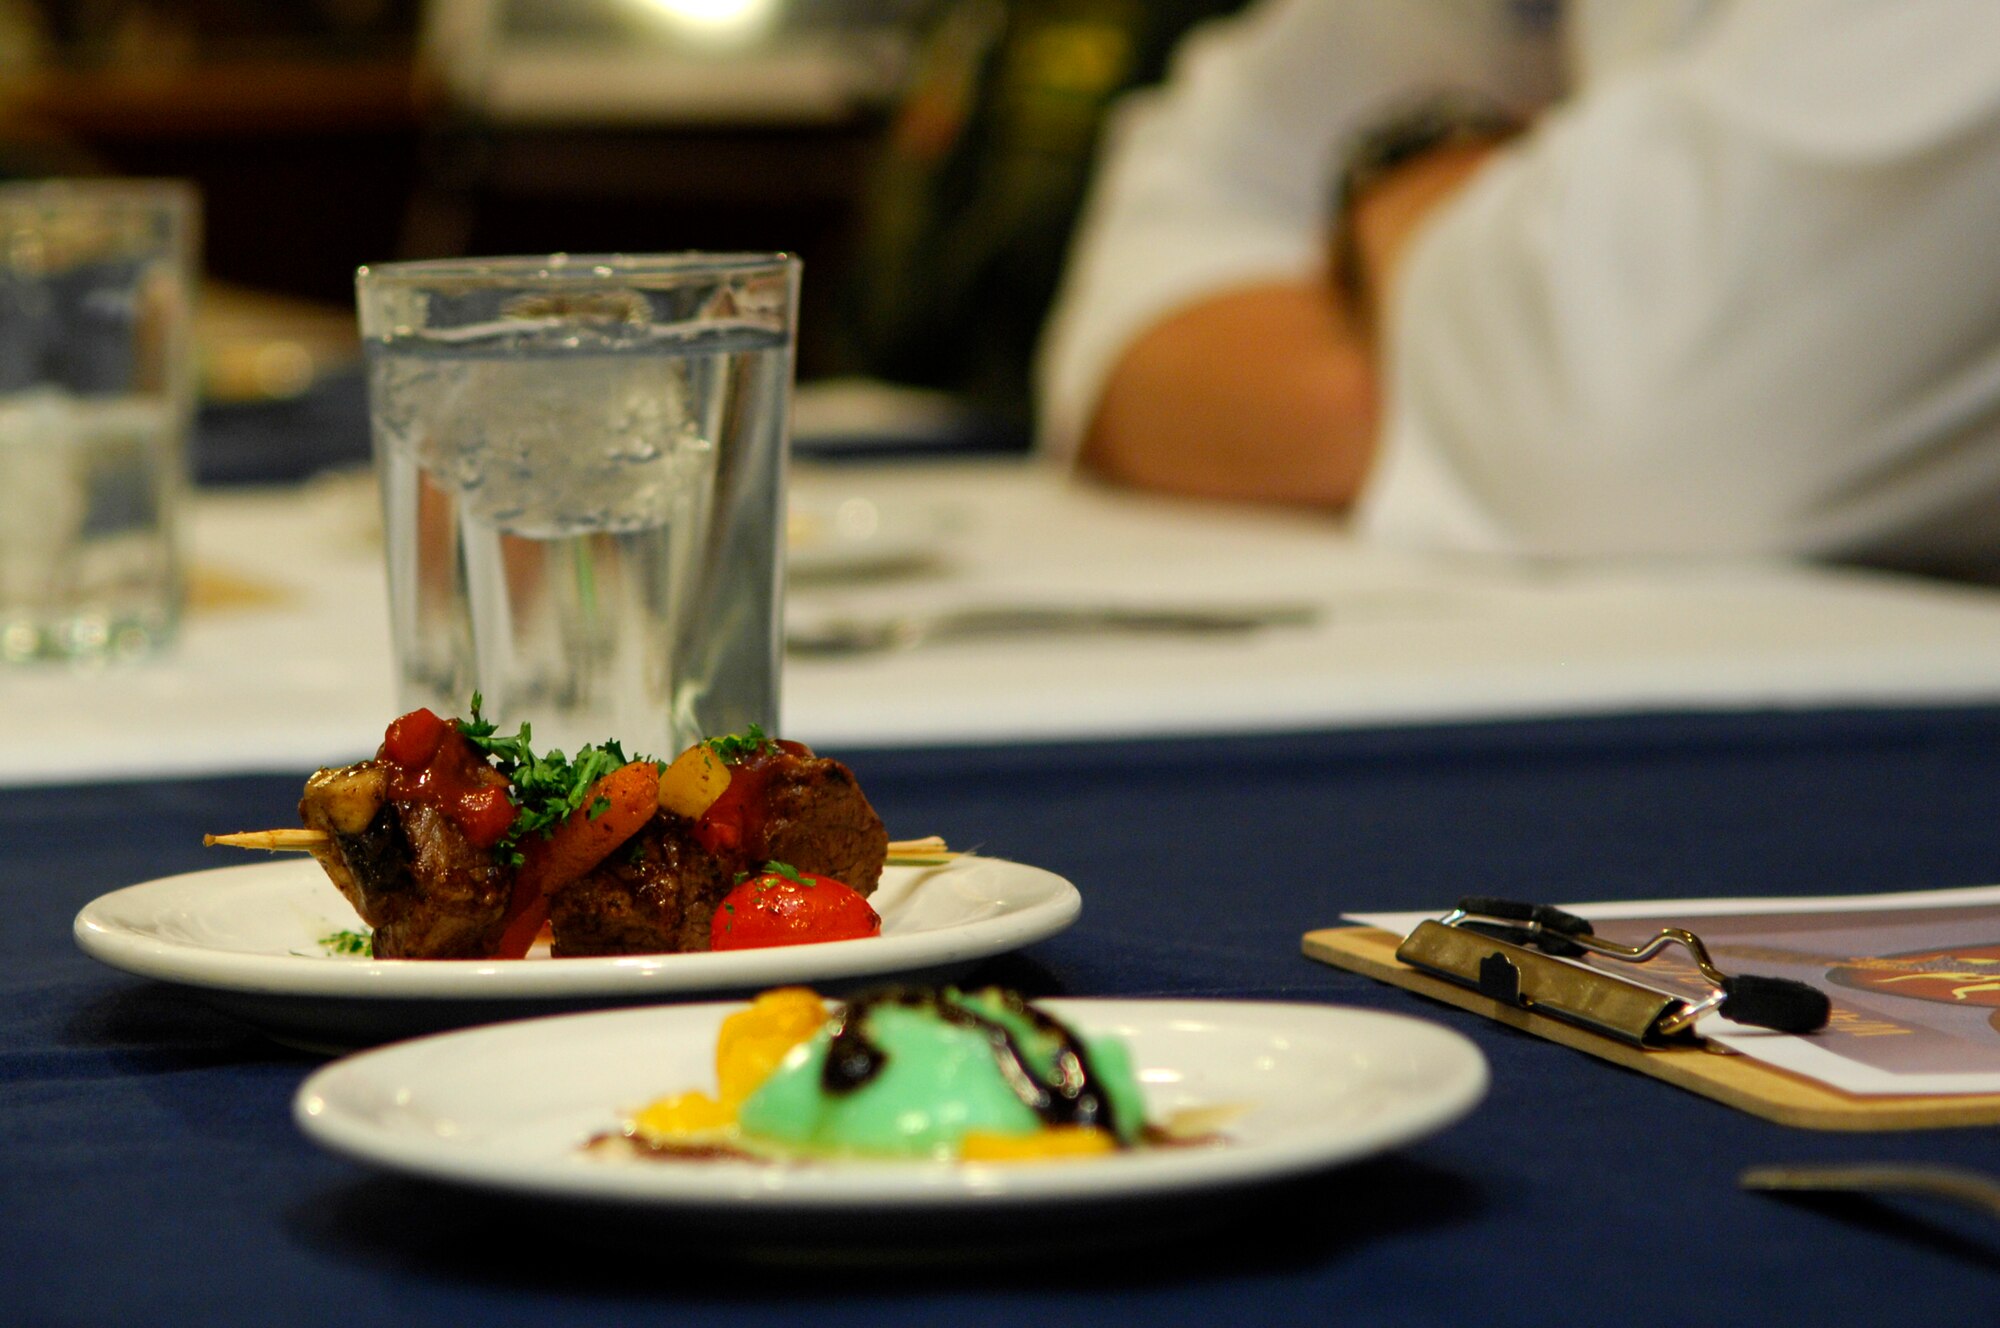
(1605, 277)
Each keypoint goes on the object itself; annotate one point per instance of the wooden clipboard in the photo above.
(1736, 1081)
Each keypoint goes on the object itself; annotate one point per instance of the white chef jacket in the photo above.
(1737, 292)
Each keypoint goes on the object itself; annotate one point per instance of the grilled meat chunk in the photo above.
(655, 895)
(407, 869)
(817, 819)
(658, 893)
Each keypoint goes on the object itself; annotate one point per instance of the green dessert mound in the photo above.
(908, 1073)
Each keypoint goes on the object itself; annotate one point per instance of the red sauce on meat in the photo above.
(431, 762)
(734, 822)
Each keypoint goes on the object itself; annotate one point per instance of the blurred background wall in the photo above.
(925, 157)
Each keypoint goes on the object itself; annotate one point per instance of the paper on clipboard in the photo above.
(1914, 979)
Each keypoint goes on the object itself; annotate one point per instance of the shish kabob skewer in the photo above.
(930, 851)
(455, 841)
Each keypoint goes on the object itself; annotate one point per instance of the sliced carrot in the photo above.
(527, 914)
(623, 801)
(612, 812)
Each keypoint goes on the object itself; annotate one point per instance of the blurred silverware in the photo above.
(1971, 1188)
(858, 636)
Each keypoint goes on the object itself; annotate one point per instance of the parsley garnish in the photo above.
(545, 788)
(788, 871)
(348, 943)
(739, 746)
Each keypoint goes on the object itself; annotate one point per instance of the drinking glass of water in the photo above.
(96, 391)
(582, 463)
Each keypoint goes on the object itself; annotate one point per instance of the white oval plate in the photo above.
(1302, 1087)
(253, 933)
(831, 536)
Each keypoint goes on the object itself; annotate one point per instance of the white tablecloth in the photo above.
(284, 661)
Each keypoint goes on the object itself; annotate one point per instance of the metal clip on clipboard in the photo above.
(1516, 953)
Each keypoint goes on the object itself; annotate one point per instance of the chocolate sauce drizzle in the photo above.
(1071, 1098)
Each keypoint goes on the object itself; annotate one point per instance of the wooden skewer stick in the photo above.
(928, 851)
(277, 841)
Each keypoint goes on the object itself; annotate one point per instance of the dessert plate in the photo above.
(252, 939)
(1291, 1089)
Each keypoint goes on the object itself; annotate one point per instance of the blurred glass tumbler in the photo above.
(583, 468)
(96, 390)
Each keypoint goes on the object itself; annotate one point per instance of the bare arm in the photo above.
(1266, 393)
(1270, 393)
(1387, 217)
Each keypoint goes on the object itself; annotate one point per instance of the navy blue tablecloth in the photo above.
(149, 1172)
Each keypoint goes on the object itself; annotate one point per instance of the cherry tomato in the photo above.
(780, 906)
